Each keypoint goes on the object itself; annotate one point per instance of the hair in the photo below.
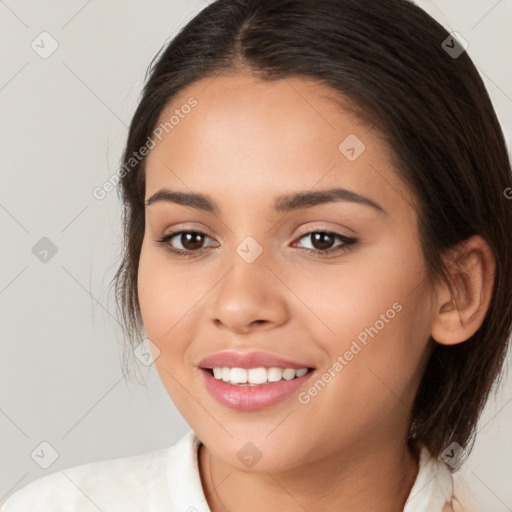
(430, 108)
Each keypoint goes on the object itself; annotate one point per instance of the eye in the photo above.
(323, 240)
(191, 241)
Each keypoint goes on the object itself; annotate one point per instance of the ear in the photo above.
(457, 317)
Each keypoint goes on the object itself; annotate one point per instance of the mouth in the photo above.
(251, 381)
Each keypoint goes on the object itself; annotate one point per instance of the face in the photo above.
(334, 283)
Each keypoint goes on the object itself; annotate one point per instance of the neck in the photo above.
(363, 478)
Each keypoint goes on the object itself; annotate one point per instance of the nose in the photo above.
(249, 297)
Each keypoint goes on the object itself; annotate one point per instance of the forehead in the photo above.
(246, 134)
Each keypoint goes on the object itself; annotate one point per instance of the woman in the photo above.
(317, 248)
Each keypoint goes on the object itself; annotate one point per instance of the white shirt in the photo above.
(168, 480)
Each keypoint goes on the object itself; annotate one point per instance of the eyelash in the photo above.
(348, 243)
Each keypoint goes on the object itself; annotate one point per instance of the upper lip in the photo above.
(248, 360)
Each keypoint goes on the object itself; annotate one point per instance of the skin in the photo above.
(246, 142)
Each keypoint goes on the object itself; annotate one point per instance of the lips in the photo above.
(243, 397)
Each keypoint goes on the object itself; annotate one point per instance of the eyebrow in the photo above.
(283, 203)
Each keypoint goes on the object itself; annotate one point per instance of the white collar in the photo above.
(433, 487)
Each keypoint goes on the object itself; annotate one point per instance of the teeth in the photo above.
(256, 376)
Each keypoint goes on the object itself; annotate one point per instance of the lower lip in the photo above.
(252, 398)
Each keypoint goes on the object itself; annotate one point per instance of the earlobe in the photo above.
(459, 315)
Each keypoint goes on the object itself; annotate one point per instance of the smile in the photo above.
(252, 380)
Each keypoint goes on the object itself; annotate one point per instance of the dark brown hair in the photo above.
(429, 106)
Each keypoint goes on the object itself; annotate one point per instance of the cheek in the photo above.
(165, 304)
(375, 313)
(381, 381)
(373, 381)
(374, 287)
(171, 299)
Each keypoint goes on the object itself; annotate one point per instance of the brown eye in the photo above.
(187, 242)
(322, 242)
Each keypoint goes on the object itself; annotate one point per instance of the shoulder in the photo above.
(113, 484)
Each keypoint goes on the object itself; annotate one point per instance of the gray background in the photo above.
(64, 120)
